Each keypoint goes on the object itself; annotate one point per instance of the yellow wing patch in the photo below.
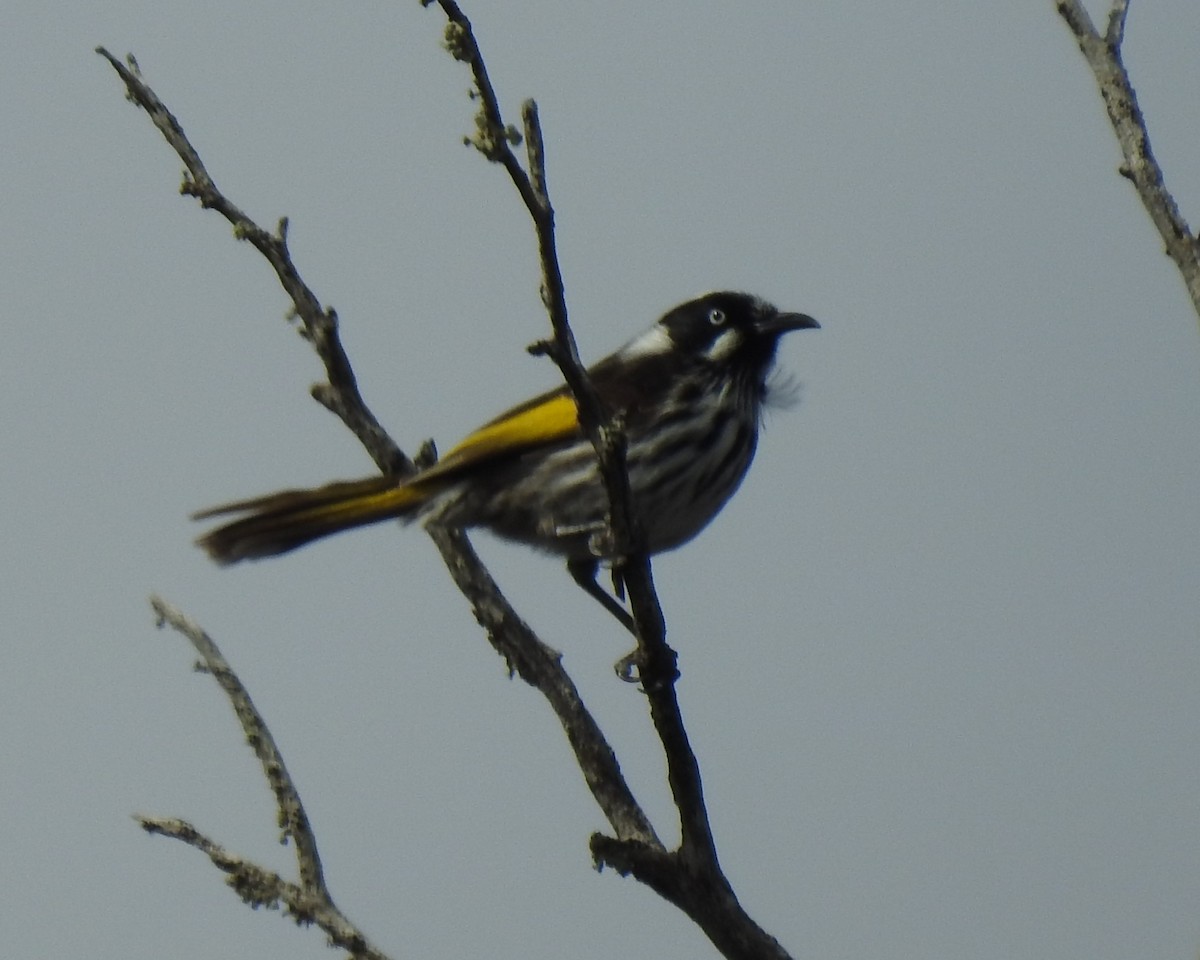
(541, 421)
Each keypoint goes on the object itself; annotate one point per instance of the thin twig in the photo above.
(319, 325)
(292, 818)
(1103, 54)
(260, 887)
(309, 901)
(1115, 33)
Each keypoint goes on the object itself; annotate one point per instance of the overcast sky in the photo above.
(940, 655)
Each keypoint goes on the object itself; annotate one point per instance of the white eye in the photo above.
(716, 316)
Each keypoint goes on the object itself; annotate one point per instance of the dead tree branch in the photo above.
(1103, 55)
(309, 900)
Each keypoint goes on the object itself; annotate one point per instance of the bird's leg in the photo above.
(584, 573)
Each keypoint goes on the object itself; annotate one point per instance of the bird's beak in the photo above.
(781, 323)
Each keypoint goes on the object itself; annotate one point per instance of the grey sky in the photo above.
(940, 656)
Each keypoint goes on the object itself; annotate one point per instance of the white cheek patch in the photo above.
(654, 342)
(725, 344)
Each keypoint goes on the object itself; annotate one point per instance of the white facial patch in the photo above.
(725, 344)
(653, 342)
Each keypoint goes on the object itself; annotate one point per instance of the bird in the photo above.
(689, 393)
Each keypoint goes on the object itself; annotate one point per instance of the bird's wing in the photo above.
(539, 422)
(549, 418)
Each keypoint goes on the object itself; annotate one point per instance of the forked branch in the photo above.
(309, 900)
(1139, 166)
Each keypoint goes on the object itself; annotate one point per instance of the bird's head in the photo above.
(727, 330)
(731, 327)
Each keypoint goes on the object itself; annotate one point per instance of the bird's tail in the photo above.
(280, 522)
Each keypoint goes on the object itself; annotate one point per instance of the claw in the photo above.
(628, 668)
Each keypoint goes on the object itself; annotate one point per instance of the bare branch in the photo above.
(310, 900)
(1115, 33)
(699, 890)
(1103, 54)
(541, 667)
(317, 324)
(256, 886)
(292, 819)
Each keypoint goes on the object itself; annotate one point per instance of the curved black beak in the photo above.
(781, 323)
